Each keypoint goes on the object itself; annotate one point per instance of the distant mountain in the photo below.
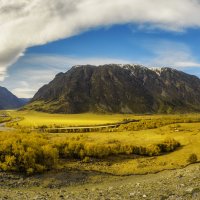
(119, 89)
(9, 100)
(25, 100)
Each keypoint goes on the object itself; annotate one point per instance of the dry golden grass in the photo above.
(32, 118)
(188, 134)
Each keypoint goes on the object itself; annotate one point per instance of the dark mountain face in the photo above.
(171, 89)
(119, 89)
(8, 100)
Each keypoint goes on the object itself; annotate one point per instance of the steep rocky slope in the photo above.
(119, 89)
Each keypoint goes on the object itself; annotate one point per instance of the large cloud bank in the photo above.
(25, 23)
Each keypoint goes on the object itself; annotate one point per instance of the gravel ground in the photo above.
(180, 184)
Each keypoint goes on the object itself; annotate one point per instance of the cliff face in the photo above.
(118, 89)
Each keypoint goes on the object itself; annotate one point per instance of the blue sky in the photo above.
(95, 32)
(120, 41)
(116, 44)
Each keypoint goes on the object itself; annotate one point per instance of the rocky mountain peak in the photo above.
(119, 89)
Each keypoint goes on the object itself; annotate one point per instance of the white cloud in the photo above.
(170, 54)
(187, 64)
(24, 92)
(25, 23)
(55, 61)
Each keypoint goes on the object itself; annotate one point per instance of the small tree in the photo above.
(192, 158)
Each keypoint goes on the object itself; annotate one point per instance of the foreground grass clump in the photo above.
(31, 153)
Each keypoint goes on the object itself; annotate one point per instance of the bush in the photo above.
(32, 153)
(153, 150)
(28, 153)
(73, 148)
(192, 158)
(86, 159)
(168, 145)
(155, 123)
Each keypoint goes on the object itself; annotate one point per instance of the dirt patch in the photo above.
(70, 184)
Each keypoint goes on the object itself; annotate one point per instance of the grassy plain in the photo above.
(187, 134)
(33, 118)
(150, 130)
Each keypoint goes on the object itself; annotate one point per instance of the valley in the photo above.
(104, 141)
(99, 100)
(105, 163)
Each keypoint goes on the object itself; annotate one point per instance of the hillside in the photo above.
(9, 100)
(119, 89)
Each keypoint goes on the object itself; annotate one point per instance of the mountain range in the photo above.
(9, 100)
(117, 88)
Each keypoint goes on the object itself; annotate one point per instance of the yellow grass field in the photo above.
(32, 118)
(187, 134)
(122, 162)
